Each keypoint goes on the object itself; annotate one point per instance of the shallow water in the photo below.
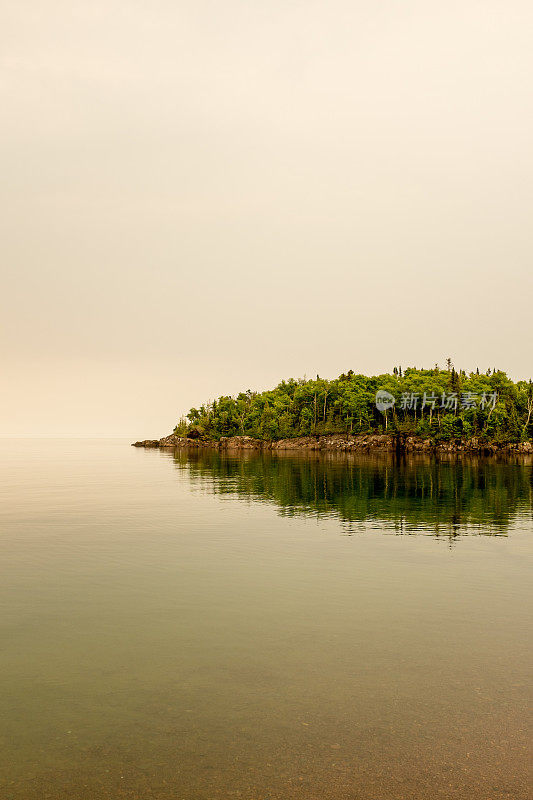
(251, 627)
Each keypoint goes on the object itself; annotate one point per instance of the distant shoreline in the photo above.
(339, 443)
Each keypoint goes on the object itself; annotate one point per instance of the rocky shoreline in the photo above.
(338, 443)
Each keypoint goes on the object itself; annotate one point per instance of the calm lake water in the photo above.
(262, 628)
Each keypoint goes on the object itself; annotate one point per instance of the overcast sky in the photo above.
(204, 197)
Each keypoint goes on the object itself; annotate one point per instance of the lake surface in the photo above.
(263, 628)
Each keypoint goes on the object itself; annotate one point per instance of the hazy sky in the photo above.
(204, 197)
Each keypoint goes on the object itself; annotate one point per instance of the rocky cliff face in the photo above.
(336, 443)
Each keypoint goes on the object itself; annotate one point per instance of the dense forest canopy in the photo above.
(440, 404)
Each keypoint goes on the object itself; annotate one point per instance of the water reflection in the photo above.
(405, 495)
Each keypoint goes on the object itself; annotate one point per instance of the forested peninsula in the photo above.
(411, 409)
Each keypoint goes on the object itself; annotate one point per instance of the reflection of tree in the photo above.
(407, 494)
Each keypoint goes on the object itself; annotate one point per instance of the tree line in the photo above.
(441, 404)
